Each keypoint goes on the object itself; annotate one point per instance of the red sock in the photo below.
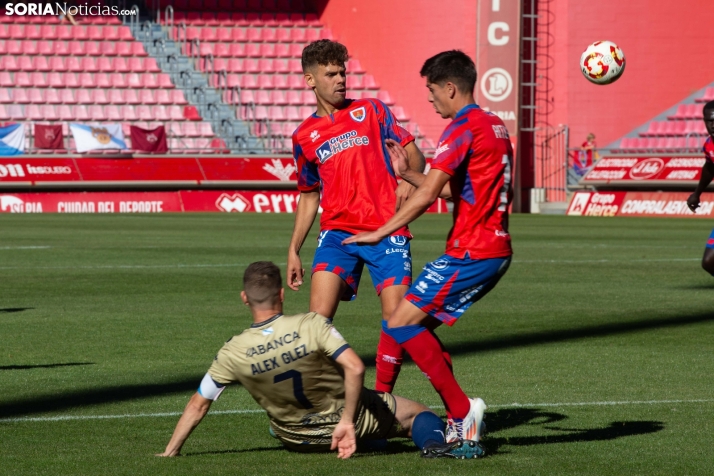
(426, 352)
(449, 363)
(389, 363)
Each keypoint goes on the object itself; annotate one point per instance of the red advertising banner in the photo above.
(193, 171)
(639, 204)
(646, 171)
(229, 201)
(497, 59)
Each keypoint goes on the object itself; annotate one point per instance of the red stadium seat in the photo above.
(281, 66)
(116, 96)
(95, 32)
(263, 97)
(162, 96)
(5, 79)
(708, 95)
(104, 80)
(15, 111)
(99, 96)
(61, 48)
(65, 113)
(204, 129)
(208, 34)
(40, 63)
(14, 47)
(9, 63)
(385, 98)
(137, 49)
(25, 63)
(251, 65)
(47, 32)
(312, 34)
(282, 50)
(370, 82)
(53, 96)
(265, 65)
(145, 80)
(652, 130)
(306, 111)
(67, 96)
(268, 35)
(89, 64)
(165, 81)
(76, 48)
(118, 80)
(176, 113)
(143, 112)
(74, 64)
(247, 97)
(38, 96)
(191, 113)
(280, 81)
(134, 80)
(84, 96)
(224, 34)
(296, 82)
(17, 31)
(124, 33)
(235, 65)
(146, 96)
(177, 97)
(49, 113)
(131, 96)
(282, 35)
(5, 96)
(297, 19)
(21, 96)
(266, 81)
(113, 113)
(135, 65)
(96, 113)
(123, 48)
(109, 48)
(255, 50)
(38, 79)
(129, 113)
(249, 81)
(294, 98)
(160, 113)
(292, 113)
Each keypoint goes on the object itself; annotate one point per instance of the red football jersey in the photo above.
(345, 155)
(708, 149)
(476, 151)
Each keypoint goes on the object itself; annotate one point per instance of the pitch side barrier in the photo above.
(150, 184)
(655, 185)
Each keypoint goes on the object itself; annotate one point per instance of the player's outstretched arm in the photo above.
(401, 162)
(193, 414)
(304, 217)
(416, 163)
(344, 438)
(425, 195)
(704, 181)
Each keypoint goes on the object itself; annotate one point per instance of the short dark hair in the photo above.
(708, 107)
(324, 52)
(454, 66)
(262, 282)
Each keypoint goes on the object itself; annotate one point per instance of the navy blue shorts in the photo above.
(389, 262)
(448, 286)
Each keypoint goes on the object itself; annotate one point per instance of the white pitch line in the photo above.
(24, 247)
(138, 266)
(239, 412)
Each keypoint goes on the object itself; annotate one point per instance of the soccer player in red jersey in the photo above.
(704, 181)
(472, 165)
(340, 152)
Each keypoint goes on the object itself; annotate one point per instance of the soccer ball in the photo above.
(602, 62)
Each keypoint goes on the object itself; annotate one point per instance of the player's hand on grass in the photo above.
(404, 191)
(399, 157)
(344, 440)
(693, 201)
(295, 271)
(367, 237)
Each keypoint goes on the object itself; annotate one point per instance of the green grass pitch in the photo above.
(594, 352)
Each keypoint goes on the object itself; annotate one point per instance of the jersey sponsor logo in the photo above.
(358, 114)
(440, 264)
(441, 148)
(340, 143)
(398, 240)
(272, 345)
(314, 135)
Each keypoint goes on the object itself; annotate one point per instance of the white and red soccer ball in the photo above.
(602, 62)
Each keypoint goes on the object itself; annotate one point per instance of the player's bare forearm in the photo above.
(704, 181)
(416, 159)
(192, 415)
(304, 218)
(354, 382)
(424, 196)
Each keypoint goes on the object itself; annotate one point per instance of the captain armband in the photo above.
(210, 389)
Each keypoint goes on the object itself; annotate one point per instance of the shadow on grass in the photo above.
(512, 418)
(42, 366)
(16, 309)
(363, 450)
(109, 394)
(695, 287)
(564, 335)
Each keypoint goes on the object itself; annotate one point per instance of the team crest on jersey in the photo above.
(358, 114)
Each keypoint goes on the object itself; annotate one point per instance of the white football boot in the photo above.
(470, 428)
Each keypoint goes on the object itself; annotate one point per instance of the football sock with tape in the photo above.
(425, 350)
(428, 429)
(389, 362)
